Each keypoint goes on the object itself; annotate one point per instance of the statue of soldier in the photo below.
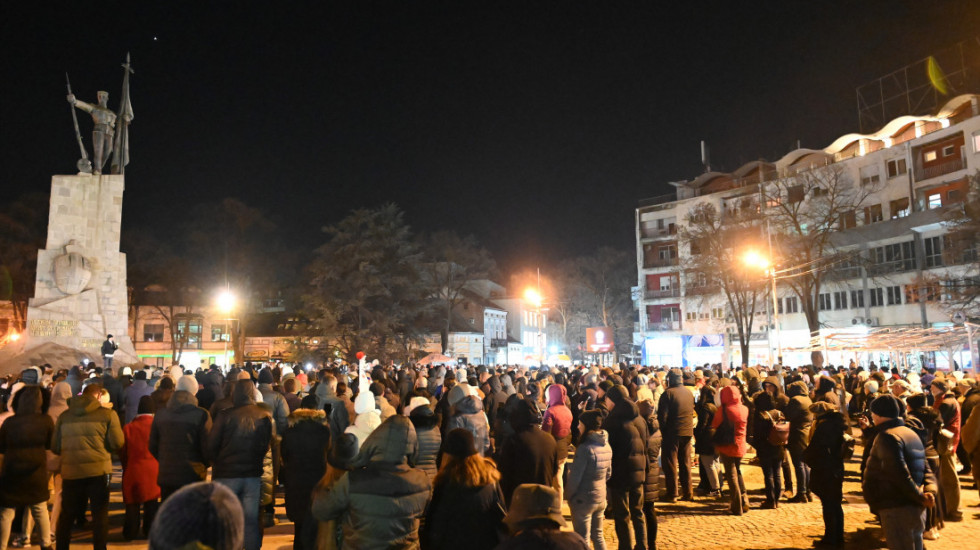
(105, 124)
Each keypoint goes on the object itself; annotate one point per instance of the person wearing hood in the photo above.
(627, 439)
(426, 425)
(75, 379)
(274, 399)
(651, 488)
(467, 508)
(557, 420)
(733, 412)
(133, 394)
(467, 412)
(368, 416)
(529, 455)
(535, 521)
(178, 439)
(210, 389)
(382, 499)
(495, 398)
(824, 457)
(237, 446)
(140, 471)
(24, 439)
(675, 413)
(85, 437)
(587, 478)
(800, 419)
(326, 394)
(304, 457)
(704, 447)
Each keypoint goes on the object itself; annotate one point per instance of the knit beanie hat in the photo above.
(941, 384)
(606, 385)
(592, 420)
(887, 405)
(203, 512)
(417, 401)
(459, 443)
(618, 394)
(188, 384)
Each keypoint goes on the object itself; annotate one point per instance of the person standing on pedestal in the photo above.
(105, 127)
(108, 350)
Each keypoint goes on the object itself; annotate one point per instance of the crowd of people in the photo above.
(469, 456)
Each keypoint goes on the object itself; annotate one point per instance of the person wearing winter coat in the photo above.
(467, 412)
(178, 439)
(75, 379)
(798, 414)
(587, 478)
(85, 437)
(770, 455)
(557, 420)
(703, 446)
(945, 403)
(467, 508)
(382, 499)
(675, 413)
(926, 423)
(25, 438)
(529, 455)
(736, 414)
(304, 459)
(627, 439)
(237, 447)
(535, 521)
(897, 483)
(368, 416)
(825, 460)
(494, 400)
(430, 440)
(134, 393)
(140, 470)
(651, 488)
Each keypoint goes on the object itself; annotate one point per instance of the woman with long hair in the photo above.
(467, 508)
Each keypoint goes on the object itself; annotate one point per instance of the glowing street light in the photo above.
(533, 296)
(751, 258)
(226, 301)
(14, 336)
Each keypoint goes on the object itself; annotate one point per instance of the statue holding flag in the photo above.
(107, 138)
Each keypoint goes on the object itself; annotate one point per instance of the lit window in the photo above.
(929, 156)
(976, 143)
(935, 200)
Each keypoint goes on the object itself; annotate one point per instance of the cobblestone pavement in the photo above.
(703, 523)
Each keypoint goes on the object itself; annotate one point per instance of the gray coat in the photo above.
(591, 469)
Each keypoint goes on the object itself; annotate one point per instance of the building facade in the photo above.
(920, 171)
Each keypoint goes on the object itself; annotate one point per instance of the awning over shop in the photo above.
(888, 339)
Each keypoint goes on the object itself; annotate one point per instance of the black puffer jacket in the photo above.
(529, 455)
(464, 517)
(706, 410)
(651, 488)
(304, 457)
(675, 411)
(178, 438)
(627, 438)
(383, 498)
(897, 472)
(241, 436)
(799, 416)
(824, 453)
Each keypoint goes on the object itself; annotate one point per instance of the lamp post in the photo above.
(226, 304)
(754, 259)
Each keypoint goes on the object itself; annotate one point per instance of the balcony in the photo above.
(664, 325)
(941, 169)
(660, 262)
(662, 293)
(898, 266)
(658, 233)
(701, 290)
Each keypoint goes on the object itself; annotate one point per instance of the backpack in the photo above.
(778, 431)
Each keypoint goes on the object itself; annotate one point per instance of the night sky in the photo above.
(536, 126)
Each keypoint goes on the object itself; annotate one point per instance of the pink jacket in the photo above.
(557, 419)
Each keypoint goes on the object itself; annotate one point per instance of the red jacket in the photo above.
(737, 414)
(139, 480)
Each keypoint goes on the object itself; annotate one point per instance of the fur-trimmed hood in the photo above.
(303, 415)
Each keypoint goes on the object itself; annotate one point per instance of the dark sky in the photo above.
(536, 126)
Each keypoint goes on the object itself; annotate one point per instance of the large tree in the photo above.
(595, 291)
(450, 263)
(717, 244)
(23, 230)
(804, 212)
(368, 292)
(961, 254)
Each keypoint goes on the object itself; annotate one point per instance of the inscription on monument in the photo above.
(48, 327)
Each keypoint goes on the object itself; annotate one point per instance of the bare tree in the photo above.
(961, 255)
(23, 229)
(804, 211)
(451, 262)
(717, 243)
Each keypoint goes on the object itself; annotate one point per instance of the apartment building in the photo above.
(920, 169)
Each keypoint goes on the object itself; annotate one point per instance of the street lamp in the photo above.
(533, 296)
(226, 302)
(752, 258)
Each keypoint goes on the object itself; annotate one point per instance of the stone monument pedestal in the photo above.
(80, 293)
